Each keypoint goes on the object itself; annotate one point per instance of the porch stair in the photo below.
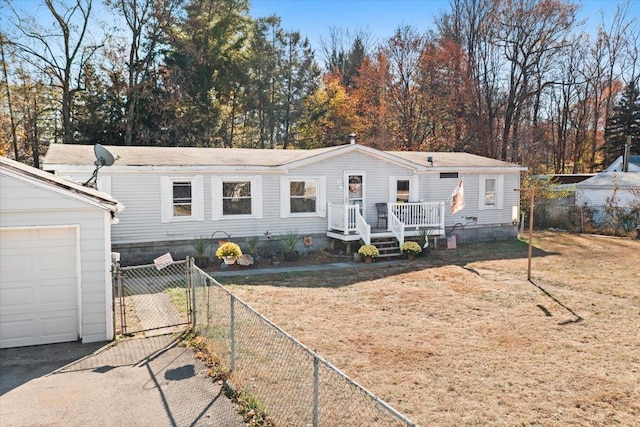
(387, 246)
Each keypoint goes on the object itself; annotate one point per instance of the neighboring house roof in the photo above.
(605, 180)
(616, 166)
(89, 195)
(82, 155)
(567, 178)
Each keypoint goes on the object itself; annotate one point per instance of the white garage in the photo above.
(55, 250)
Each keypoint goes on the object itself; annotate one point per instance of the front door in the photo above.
(355, 190)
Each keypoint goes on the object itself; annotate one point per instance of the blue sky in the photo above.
(379, 18)
(315, 18)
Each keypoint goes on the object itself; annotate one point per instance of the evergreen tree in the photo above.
(624, 122)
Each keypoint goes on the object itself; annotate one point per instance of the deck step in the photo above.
(387, 246)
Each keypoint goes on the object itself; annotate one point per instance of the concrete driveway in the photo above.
(138, 382)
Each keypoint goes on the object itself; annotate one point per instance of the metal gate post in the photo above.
(120, 280)
(114, 295)
(191, 291)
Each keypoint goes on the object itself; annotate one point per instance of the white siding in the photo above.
(26, 205)
(433, 188)
(140, 193)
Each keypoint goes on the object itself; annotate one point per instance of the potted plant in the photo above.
(290, 239)
(200, 244)
(410, 249)
(252, 245)
(369, 252)
(229, 252)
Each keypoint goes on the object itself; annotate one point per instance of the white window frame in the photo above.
(216, 196)
(414, 189)
(285, 197)
(166, 198)
(499, 192)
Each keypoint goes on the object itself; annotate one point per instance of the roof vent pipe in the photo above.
(352, 138)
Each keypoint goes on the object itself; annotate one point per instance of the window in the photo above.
(303, 195)
(444, 175)
(236, 198)
(182, 199)
(490, 192)
(402, 191)
(490, 196)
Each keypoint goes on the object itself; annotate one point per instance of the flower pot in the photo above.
(291, 256)
(230, 260)
(410, 256)
(368, 260)
(202, 262)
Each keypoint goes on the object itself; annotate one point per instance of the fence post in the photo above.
(232, 333)
(208, 286)
(316, 389)
(123, 320)
(114, 295)
(191, 290)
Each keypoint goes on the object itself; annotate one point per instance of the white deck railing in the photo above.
(348, 219)
(401, 216)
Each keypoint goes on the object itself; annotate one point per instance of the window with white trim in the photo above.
(302, 196)
(490, 196)
(402, 190)
(182, 199)
(236, 197)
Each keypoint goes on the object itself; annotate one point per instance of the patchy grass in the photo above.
(461, 337)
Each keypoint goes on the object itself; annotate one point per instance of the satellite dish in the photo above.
(103, 158)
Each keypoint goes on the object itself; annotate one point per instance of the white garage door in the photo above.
(38, 286)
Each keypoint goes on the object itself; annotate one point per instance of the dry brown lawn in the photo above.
(461, 337)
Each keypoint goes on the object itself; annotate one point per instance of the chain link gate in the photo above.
(150, 300)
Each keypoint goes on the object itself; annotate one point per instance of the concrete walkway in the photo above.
(138, 382)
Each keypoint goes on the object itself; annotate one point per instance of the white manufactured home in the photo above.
(55, 258)
(335, 195)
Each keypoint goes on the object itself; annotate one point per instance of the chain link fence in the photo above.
(151, 300)
(295, 385)
(609, 220)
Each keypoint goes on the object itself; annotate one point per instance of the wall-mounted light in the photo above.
(339, 184)
(515, 215)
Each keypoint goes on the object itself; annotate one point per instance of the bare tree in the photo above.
(59, 52)
(14, 137)
(532, 33)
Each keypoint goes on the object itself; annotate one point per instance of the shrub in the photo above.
(411, 248)
(368, 251)
(228, 249)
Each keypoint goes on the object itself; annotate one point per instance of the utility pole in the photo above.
(531, 192)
